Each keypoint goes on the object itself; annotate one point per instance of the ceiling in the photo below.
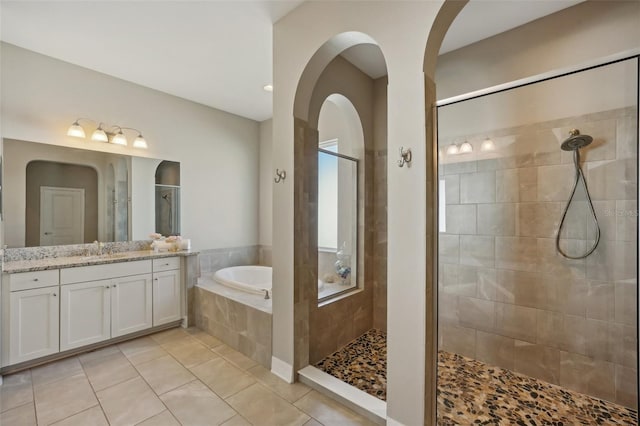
(217, 53)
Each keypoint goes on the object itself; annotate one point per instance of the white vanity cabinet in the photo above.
(95, 310)
(33, 318)
(57, 310)
(166, 290)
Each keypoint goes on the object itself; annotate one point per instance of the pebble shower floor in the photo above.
(472, 392)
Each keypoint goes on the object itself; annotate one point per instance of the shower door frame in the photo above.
(527, 81)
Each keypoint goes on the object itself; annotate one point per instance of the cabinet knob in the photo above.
(155, 279)
(114, 286)
(106, 286)
(35, 279)
(54, 295)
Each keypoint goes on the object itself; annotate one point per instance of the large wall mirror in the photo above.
(55, 195)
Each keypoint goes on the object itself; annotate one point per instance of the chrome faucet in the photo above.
(99, 246)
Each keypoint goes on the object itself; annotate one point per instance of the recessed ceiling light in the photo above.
(268, 87)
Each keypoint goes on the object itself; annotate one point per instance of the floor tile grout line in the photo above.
(82, 411)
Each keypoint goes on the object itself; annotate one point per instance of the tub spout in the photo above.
(266, 294)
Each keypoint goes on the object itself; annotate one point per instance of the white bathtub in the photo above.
(251, 279)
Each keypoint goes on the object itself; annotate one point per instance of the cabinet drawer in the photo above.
(166, 264)
(37, 279)
(105, 271)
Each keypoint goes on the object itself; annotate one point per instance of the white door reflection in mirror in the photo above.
(61, 216)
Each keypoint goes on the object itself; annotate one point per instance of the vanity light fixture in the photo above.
(115, 134)
(487, 145)
(465, 148)
(452, 149)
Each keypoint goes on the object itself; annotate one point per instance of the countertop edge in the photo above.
(35, 265)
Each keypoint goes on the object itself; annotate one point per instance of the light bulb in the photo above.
(452, 149)
(487, 145)
(139, 142)
(76, 130)
(268, 88)
(465, 148)
(119, 139)
(99, 135)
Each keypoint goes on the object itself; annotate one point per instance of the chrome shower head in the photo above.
(576, 141)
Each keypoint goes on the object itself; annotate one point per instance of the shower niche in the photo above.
(167, 198)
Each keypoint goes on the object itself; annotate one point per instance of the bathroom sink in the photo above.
(104, 256)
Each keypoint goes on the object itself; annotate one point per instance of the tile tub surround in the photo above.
(169, 378)
(212, 260)
(226, 314)
(505, 296)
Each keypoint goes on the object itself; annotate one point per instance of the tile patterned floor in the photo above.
(472, 392)
(176, 377)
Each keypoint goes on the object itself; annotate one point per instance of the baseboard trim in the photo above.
(282, 369)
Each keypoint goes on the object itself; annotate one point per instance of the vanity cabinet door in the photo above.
(131, 304)
(166, 297)
(85, 313)
(33, 323)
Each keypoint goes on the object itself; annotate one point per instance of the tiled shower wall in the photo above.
(506, 297)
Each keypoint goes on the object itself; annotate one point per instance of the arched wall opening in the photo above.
(322, 328)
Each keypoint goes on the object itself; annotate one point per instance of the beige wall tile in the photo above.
(461, 219)
(627, 386)
(565, 295)
(517, 322)
(612, 179)
(587, 375)
(477, 251)
(554, 183)
(459, 340)
(476, 313)
(452, 189)
(507, 186)
(495, 350)
(549, 329)
(574, 330)
(626, 136)
(626, 295)
(521, 288)
(496, 219)
(626, 215)
(537, 361)
(478, 187)
(487, 283)
(518, 253)
(606, 214)
(448, 248)
(557, 265)
(600, 300)
(538, 219)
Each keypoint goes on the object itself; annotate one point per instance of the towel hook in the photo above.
(280, 176)
(405, 157)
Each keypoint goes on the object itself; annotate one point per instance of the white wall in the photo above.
(577, 34)
(217, 151)
(401, 30)
(267, 174)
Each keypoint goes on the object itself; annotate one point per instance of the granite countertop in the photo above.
(12, 267)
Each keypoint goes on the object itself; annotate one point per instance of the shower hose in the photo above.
(579, 175)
